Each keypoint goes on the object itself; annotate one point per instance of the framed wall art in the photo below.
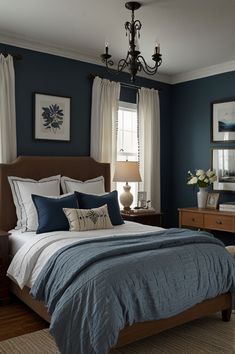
(223, 121)
(223, 162)
(52, 117)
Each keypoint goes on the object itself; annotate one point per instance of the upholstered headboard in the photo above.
(37, 167)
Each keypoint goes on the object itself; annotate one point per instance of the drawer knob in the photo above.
(218, 222)
(193, 219)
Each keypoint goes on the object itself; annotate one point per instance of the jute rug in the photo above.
(205, 336)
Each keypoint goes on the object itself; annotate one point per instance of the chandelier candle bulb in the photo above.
(157, 48)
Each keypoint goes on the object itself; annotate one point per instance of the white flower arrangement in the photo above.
(202, 178)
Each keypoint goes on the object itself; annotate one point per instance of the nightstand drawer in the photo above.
(192, 219)
(219, 222)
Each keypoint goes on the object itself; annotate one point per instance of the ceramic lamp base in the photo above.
(126, 198)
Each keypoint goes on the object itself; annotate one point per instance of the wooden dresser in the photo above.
(207, 219)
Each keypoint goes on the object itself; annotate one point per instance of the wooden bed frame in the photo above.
(84, 168)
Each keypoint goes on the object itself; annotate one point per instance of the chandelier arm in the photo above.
(112, 71)
(128, 26)
(123, 63)
(151, 70)
(107, 62)
(137, 25)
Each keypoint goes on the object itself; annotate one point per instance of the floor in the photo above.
(17, 319)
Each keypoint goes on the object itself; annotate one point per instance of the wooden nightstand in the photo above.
(153, 219)
(4, 262)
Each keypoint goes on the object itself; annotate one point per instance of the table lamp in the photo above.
(126, 171)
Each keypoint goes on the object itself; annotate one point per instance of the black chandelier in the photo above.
(134, 61)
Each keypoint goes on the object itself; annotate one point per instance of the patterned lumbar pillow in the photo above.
(88, 219)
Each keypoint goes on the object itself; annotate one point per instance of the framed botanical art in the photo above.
(223, 121)
(223, 163)
(52, 117)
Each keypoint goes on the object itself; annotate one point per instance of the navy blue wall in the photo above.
(39, 72)
(191, 134)
(185, 118)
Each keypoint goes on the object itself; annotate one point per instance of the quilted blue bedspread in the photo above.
(95, 288)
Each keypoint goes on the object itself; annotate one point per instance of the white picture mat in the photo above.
(223, 111)
(224, 166)
(42, 100)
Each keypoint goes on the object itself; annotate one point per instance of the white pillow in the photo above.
(22, 189)
(91, 186)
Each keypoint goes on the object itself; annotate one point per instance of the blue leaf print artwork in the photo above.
(53, 117)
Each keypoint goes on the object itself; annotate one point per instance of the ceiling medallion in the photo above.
(134, 61)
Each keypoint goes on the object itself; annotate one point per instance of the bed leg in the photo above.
(226, 314)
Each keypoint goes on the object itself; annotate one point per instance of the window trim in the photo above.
(127, 106)
(131, 107)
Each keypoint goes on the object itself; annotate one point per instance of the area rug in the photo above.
(204, 336)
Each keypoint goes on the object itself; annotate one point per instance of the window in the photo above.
(127, 141)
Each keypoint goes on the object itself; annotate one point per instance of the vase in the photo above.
(202, 197)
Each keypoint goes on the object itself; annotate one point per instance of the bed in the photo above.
(84, 168)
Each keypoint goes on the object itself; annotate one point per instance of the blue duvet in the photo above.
(95, 288)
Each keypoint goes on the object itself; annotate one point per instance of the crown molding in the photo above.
(204, 72)
(49, 48)
(52, 49)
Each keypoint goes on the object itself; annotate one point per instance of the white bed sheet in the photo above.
(33, 255)
(17, 239)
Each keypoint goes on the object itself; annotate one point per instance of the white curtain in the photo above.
(149, 144)
(104, 118)
(7, 110)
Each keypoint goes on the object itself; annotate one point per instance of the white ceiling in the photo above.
(194, 34)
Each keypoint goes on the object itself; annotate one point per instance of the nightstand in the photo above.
(4, 262)
(153, 219)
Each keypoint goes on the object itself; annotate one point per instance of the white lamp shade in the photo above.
(127, 171)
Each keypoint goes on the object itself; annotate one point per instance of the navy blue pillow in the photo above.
(50, 212)
(90, 201)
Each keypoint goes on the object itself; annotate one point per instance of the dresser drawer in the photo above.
(192, 219)
(219, 222)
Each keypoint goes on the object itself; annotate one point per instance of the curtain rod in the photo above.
(15, 56)
(123, 84)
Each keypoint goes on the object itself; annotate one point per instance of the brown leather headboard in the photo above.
(37, 167)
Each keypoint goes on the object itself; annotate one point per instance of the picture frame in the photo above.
(142, 199)
(51, 117)
(223, 162)
(223, 121)
(212, 200)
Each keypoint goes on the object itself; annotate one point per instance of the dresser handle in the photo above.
(193, 219)
(218, 222)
